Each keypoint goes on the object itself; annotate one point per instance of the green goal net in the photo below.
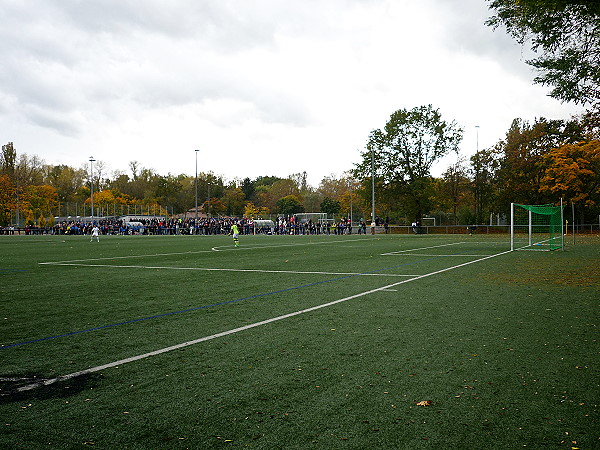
(536, 227)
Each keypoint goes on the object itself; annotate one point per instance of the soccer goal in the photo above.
(536, 227)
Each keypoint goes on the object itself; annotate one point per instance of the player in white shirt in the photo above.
(95, 232)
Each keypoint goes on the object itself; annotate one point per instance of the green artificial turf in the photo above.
(501, 353)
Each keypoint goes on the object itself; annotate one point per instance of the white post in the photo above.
(573, 209)
(562, 234)
(512, 227)
(530, 228)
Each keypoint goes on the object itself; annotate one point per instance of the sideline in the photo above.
(246, 327)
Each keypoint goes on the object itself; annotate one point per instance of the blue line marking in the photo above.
(3, 271)
(103, 327)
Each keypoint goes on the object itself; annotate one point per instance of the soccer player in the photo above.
(95, 232)
(235, 232)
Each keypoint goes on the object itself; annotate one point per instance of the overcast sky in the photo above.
(260, 87)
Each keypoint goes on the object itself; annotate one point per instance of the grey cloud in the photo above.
(82, 57)
(466, 31)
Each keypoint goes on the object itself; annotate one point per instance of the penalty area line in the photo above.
(244, 328)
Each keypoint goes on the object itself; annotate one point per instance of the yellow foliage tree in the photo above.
(254, 212)
(42, 201)
(573, 172)
(8, 199)
(104, 198)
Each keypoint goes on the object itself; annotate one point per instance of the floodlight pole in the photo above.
(196, 222)
(373, 184)
(92, 184)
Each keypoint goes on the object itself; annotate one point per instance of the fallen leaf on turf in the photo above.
(424, 403)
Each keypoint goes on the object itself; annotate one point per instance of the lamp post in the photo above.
(196, 210)
(372, 189)
(92, 184)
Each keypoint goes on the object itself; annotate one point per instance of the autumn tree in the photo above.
(284, 187)
(573, 173)
(8, 200)
(42, 202)
(522, 157)
(234, 200)
(214, 207)
(566, 36)
(254, 212)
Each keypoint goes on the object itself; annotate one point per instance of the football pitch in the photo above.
(362, 342)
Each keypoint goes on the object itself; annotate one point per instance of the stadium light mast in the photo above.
(351, 185)
(373, 184)
(92, 184)
(477, 128)
(196, 222)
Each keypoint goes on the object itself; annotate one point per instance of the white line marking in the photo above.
(216, 269)
(222, 248)
(421, 248)
(246, 327)
(433, 255)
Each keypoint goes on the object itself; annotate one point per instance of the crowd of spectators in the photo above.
(290, 225)
(282, 225)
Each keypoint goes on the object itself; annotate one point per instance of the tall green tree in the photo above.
(565, 34)
(235, 201)
(455, 190)
(403, 153)
(330, 206)
(484, 165)
(66, 180)
(289, 205)
(8, 160)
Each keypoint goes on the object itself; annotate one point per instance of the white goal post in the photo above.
(536, 227)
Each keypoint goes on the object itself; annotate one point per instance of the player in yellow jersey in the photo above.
(235, 232)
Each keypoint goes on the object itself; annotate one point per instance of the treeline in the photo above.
(536, 163)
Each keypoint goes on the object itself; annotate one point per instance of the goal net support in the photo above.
(536, 227)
